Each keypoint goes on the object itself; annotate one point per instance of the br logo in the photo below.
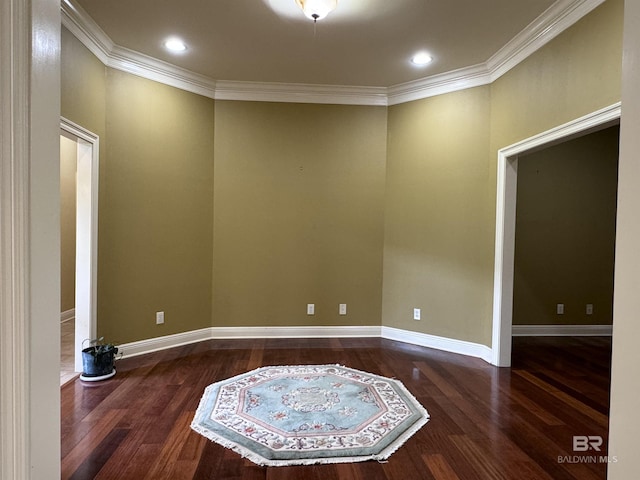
(582, 443)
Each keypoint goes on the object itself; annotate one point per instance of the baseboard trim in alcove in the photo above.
(68, 315)
(415, 338)
(562, 330)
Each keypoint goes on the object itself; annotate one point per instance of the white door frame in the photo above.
(86, 235)
(506, 218)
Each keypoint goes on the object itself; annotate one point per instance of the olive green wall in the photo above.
(83, 88)
(438, 232)
(299, 192)
(575, 74)
(155, 217)
(565, 232)
(157, 213)
(439, 238)
(301, 209)
(68, 155)
(83, 101)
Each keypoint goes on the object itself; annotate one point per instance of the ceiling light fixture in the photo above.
(175, 45)
(317, 9)
(421, 59)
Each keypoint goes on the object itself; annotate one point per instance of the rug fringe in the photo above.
(264, 462)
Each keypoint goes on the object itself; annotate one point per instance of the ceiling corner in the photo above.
(556, 19)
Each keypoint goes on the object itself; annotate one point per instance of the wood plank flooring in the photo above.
(486, 423)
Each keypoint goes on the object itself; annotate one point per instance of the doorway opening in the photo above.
(506, 219)
(85, 145)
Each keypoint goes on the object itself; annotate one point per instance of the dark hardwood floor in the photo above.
(486, 422)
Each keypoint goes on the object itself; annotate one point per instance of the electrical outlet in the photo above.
(416, 314)
(560, 309)
(159, 318)
(589, 308)
(342, 309)
(311, 308)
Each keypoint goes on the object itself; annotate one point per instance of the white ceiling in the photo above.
(361, 43)
(267, 50)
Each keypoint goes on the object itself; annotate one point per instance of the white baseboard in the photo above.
(295, 332)
(68, 315)
(141, 347)
(431, 341)
(415, 338)
(169, 341)
(561, 330)
(439, 343)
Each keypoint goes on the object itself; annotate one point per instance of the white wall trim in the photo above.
(153, 69)
(68, 315)
(468, 77)
(169, 341)
(142, 347)
(219, 333)
(85, 29)
(506, 218)
(296, 332)
(439, 343)
(556, 19)
(86, 284)
(15, 319)
(82, 26)
(562, 330)
(300, 93)
(29, 244)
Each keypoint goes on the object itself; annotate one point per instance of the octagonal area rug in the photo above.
(309, 414)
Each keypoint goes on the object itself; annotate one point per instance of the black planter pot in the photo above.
(98, 365)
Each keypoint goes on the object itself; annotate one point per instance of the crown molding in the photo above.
(82, 26)
(151, 68)
(300, 93)
(448, 82)
(85, 29)
(551, 23)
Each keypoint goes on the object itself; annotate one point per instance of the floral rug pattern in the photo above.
(308, 414)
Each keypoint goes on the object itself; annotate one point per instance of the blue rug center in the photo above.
(286, 403)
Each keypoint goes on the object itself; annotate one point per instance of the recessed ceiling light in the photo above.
(175, 45)
(421, 59)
